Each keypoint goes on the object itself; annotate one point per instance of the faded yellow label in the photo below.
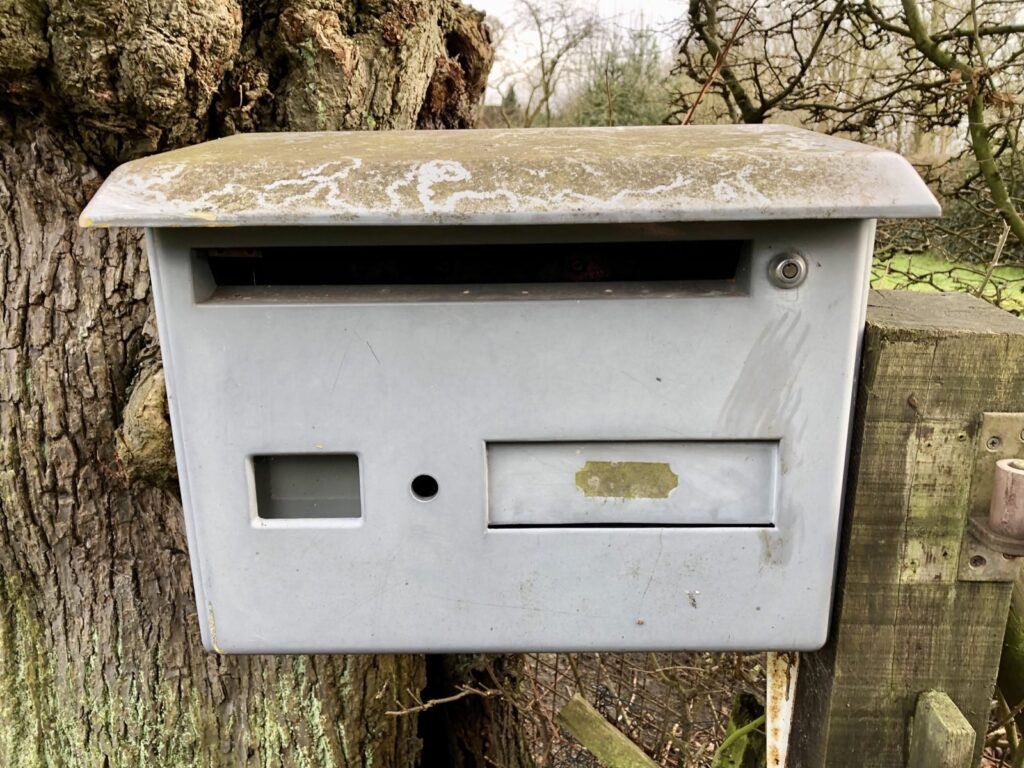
(627, 479)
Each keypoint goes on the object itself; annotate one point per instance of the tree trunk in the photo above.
(474, 732)
(100, 660)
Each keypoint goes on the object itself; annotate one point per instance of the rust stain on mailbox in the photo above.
(627, 479)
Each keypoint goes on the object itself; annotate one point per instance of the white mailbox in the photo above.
(508, 390)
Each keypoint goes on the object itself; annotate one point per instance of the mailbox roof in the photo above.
(531, 176)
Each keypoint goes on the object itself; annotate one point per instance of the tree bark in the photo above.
(100, 659)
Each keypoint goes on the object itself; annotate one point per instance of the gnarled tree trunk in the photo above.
(100, 660)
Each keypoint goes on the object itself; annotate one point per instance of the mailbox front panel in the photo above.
(537, 466)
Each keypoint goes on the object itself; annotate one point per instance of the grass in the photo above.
(928, 272)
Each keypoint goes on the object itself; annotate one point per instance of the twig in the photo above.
(719, 61)
(995, 259)
(462, 694)
(1008, 715)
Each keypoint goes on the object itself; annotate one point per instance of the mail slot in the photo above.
(512, 390)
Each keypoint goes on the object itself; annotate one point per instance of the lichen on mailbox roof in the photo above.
(524, 176)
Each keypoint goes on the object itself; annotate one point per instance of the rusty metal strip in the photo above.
(782, 674)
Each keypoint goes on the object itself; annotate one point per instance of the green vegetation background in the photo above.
(1002, 285)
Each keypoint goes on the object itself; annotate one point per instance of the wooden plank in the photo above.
(941, 737)
(902, 622)
(606, 742)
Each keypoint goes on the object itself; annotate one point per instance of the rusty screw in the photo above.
(978, 561)
(994, 443)
(787, 270)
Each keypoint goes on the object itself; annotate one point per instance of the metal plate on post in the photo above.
(1000, 436)
(980, 563)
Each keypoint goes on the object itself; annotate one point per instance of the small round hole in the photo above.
(424, 487)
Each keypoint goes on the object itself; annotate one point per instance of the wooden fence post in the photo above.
(940, 736)
(905, 620)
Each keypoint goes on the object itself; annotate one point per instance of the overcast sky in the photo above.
(518, 43)
(654, 11)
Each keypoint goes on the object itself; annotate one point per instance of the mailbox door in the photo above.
(485, 466)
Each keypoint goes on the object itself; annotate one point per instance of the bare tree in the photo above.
(891, 72)
(624, 80)
(755, 57)
(557, 31)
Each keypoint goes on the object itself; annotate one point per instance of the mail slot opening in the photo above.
(657, 263)
(294, 487)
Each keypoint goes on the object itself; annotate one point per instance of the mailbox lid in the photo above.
(517, 176)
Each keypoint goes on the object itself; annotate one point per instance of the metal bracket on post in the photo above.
(994, 540)
(981, 563)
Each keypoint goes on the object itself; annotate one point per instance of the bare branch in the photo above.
(431, 703)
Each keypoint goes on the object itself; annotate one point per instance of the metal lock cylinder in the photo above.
(787, 269)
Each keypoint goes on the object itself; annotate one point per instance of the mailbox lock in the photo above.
(787, 270)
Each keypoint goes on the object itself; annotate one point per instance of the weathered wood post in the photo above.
(918, 606)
